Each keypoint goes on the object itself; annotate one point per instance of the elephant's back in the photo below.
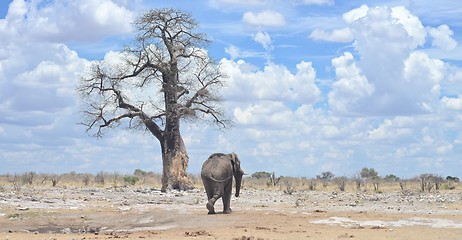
(214, 165)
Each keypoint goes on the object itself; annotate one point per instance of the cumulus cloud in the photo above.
(265, 19)
(282, 120)
(392, 129)
(44, 83)
(399, 79)
(442, 37)
(351, 85)
(274, 83)
(355, 14)
(39, 72)
(60, 21)
(267, 113)
(452, 103)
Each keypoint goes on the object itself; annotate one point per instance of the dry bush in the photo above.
(286, 184)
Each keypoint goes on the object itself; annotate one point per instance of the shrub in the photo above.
(454, 179)
(131, 179)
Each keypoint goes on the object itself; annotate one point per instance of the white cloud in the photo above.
(355, 14)
(317, 2)
(39, 74)
(390, 77)
(411, 24)
(337, 35)
(452, 103)
(267, 18)
(217, 3)
(58, 21)
(42, 72)
(351, 85)
(233, 52)
(268, 113)
(442, 37)
(274, 83)
(392, 129)
(423, 75)
(266, 3)
(42, 77)
(281, 120)
(263, 38)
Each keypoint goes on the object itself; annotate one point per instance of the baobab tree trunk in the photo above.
(175, 161)
(174, 156)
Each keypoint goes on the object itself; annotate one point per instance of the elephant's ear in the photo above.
(233, 161)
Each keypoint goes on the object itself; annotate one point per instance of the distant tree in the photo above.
(55, 179)
(358, 182)
(100, 177)
(259, 175)
(402, 184)
(29, 177)
(325, 178)
(326, 175)
(391, 178)
(140, 174)
(429, 180)
(164, 77)
(274, 180)
(376, 180)
(17, 183)
(341, 182)
(454, 179)
(86, 179)
(368, 173)
(437, 181)
(312, 184)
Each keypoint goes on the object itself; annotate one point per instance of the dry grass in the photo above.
(288, 184)
(153, 180)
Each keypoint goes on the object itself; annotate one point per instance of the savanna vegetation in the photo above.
(367, 180)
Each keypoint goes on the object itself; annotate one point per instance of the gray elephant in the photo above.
(217, 176)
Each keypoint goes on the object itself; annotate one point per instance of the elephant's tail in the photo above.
(219, 181)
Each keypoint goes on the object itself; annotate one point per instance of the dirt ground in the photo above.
(257, 214)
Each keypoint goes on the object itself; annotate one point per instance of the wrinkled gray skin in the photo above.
(217, 175)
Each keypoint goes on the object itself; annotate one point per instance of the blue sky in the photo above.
(314, 86)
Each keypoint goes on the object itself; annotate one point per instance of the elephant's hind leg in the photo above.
(227, 198)
(211, 203)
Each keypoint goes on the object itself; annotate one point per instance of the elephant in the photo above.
(217, 176)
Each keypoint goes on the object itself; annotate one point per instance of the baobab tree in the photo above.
(162, 78)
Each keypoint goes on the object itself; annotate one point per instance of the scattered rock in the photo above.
(346, 235)
(244, 238)
(263, 228)
(319, 211)
(197, 233)
(124, 208)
